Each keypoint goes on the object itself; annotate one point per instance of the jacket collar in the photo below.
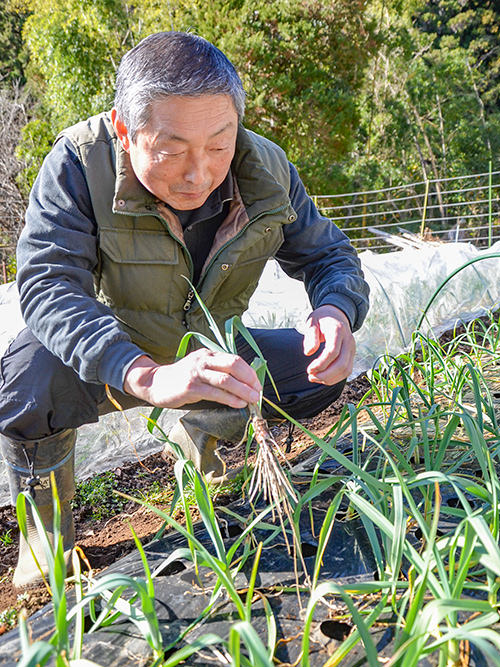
(130, 195)
(260, 191)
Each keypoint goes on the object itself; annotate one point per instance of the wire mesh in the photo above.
(450, 210)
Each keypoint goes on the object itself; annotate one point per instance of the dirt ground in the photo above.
(106, 540)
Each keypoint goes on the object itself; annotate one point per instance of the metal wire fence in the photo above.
(462, 208)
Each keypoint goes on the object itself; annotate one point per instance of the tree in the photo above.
(301, 63)
(471, 25)
(423, 109)
(74, 48)
(12, 57)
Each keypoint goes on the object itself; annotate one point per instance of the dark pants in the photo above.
(40, 396)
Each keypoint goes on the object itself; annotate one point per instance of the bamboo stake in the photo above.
(424, 214)
(490, 217)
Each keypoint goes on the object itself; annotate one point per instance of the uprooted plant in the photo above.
(268, 475)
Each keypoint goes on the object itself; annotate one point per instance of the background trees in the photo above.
(361, 93)
(301, 63)
(430, 101)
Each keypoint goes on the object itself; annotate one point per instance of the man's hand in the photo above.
(202, 375)
(329, 325)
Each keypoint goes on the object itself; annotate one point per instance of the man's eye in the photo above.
(219, 148)
(166, 154)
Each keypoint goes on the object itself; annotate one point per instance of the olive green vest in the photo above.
(142, 258)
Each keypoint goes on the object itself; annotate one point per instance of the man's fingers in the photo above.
(332, 350)
(222, 377)
(337, 357)
(211, 393)
(201, 375)
(220, 383)
(338, 368)
(312, 337)
(231, 367)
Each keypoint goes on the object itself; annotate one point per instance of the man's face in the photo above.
(184, 152)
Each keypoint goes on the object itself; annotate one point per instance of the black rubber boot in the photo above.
(197, 433)
(29, 464)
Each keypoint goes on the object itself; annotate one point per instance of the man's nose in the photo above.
(196, 171)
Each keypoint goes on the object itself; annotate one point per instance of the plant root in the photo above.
(268, 475)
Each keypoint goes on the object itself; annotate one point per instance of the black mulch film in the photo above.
(181, 596)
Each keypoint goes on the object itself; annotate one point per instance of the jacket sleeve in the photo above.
(56, 255)
(318, 253)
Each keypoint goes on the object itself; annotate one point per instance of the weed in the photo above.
(157, 494)
(8, 617)
(97, 493)
(232, 486)
(6, 538)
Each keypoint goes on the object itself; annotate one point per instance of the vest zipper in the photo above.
(189, 300)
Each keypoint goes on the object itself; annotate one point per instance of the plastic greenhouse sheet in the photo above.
(401, 283)
(181, 594)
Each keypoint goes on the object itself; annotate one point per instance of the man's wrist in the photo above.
(139, 377)
(334, 311)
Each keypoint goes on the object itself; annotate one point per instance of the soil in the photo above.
(103, 541)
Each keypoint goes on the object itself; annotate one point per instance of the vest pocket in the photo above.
(137, 269)
(143, 246)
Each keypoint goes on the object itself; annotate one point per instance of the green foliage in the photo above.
(156, 494)
(11, 267)
(429, 104)
(36, 141)
(64, 647)
(9, 257)
(74, 49)
(474, 27)
(8, 617)
(302, 65)
(428, 435)
(97, 492)
(361, 94)
(12, 55)
(6, 538)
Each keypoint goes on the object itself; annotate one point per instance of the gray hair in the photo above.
(172, 63)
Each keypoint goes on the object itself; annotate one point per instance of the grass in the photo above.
(8, 617)
(98, 493)
(422, 480)
(6, 538)
(156, 494)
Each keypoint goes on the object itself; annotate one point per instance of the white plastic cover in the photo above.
(402, 283)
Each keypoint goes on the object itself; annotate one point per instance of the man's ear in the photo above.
(120, 129)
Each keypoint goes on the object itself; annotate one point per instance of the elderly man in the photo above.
(167, 185)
